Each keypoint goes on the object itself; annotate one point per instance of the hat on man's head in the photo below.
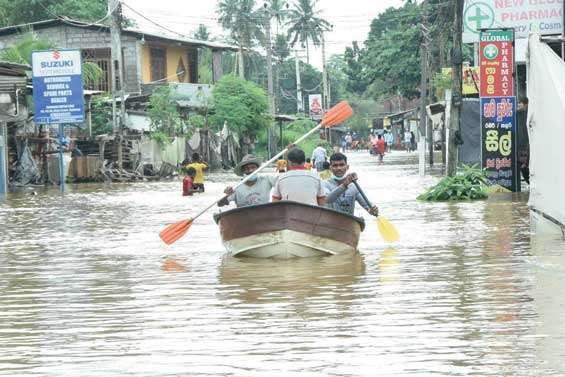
(246, 160)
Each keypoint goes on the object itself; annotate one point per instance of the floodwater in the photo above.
(88, 289)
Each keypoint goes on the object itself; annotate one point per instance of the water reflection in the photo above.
(548, 266)
(255, 280)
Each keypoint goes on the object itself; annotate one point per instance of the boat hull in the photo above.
(287, 230)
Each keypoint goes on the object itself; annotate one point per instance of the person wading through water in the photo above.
(199, 166)
(254, 191)
(341, 194)
(298, 184)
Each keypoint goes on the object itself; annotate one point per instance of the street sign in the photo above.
(496, 56)
(57, 87)
(498, 136)
(525, 16)
(315, 106)
(498, 108)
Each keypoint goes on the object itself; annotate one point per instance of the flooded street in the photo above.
(88, 289)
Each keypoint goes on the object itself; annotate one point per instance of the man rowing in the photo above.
(254, 191)
(341, 194)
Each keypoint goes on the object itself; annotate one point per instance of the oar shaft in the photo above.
(247, 177)
(363, 194)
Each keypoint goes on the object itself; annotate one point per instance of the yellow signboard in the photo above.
(471, 82)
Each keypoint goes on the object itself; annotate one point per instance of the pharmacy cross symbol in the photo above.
(491, 52)
(478, 16)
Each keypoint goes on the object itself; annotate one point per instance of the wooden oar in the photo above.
(386, 229)
(336, 115)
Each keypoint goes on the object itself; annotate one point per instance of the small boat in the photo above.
(287, 230)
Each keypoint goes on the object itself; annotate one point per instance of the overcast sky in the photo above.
(351, 19)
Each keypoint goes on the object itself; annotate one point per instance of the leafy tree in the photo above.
(306, 26)
(165, 117)
(354, 69)
(26, 11)
(281, 50)
(390, 60)
(242, 104)
(202, 33)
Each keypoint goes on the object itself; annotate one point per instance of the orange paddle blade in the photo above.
(175, 231)
(337, 114)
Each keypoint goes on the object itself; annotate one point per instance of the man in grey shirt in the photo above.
(253, 192)
(341, 194)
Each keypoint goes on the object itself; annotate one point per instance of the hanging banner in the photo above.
(524, 16)
(315, 106)
(496, 63)
(57, 86)
(498, 140)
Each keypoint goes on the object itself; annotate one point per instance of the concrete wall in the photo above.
(173, 54)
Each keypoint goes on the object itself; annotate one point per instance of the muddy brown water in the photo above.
(88, 289)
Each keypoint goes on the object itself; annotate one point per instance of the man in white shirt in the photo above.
(297, 184)
(255, 190)
(319, 157)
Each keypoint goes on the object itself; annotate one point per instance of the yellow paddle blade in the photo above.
(387, 230)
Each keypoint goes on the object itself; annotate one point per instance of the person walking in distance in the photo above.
(318, 157)
(380, 148)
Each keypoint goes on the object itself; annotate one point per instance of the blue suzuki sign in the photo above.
(57, 87)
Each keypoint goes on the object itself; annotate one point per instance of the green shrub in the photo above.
(468, 184)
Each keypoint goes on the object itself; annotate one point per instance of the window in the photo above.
(102, 58)
(158, 65)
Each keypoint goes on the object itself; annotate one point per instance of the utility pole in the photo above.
(299, 107)
(423, 96)
(457, 61)
(115, 9)
(325, 102)
(269, 76)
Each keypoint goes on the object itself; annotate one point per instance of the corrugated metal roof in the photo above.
(138, 33)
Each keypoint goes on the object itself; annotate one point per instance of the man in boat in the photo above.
(254, 191)
(341, 194)
(298, 184)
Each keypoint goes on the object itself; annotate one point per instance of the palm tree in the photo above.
(240, 18)
(279, 12)
(306, 26)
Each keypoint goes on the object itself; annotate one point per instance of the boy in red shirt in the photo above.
(188, 182)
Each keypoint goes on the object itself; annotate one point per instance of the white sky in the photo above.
(351, 19)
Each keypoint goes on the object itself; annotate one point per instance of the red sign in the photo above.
(496, 63)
